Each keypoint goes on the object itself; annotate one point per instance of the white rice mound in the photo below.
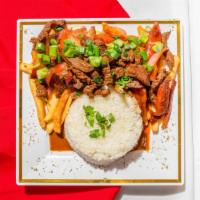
(122, 137)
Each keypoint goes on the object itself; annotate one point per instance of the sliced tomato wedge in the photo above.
(114, 31)
(104, 37)
(155, 35)
(56, 70)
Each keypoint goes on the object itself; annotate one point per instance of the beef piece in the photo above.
(138, 72)
(80, 64)
(103, 92)
(138, 59)
(95, 74)
(45, 31)
(131, 55)
(107, 75)
(41, 91)
(118, 72)
(77, 83)
(165, 37)
(170, 59)
(121, 62)
(102, 49)
(134, 84)
(59, 88)
(89, 90)
(160, 77)
(81, 75)
(99, 42)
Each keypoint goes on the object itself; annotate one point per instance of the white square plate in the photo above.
(38, 165)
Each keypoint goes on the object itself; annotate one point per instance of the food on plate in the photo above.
(72, 66)
(103, 129)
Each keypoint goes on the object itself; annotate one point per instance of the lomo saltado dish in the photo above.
(103, 90)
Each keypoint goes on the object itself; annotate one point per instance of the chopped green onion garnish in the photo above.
(88, 42)
(132, 45)
(42, 73)
(70, 52)
(123, 81)
(157, 47)
(46, 59)
(144, 38)
(148, 67)
(95, 61)
(40, 47)
(135, 40)
(39, 55)
(59, 59)
(68, 42)
(98, 80)
(113, 53)
(59, 28)
(80, 50)
(53, 50)
(119, 42)
(144, 55)
(53, 41)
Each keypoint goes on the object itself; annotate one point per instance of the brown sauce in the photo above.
(60, 143)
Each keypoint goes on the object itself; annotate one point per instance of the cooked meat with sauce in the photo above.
(92, 62)
(138, 72)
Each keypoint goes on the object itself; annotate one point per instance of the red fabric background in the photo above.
(10, 11)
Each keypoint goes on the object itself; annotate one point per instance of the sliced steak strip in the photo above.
(165, 37)
(88, 90)
(80, 64)
(134, 84)
(77, 83)
(103, 92)
(81, 75)
(107, 75)
(170, 59)
(138, 72)
(118, 72)
(41, 91)
(45, 31)
(160, 77)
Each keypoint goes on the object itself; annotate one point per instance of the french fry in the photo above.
(40, 104)
(25, 68)
(67, 106)
(57, 116)
(49, 127)
(155, 127)
(51, 104)
(172, 74)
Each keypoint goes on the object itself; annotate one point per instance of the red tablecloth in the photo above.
(10, 11)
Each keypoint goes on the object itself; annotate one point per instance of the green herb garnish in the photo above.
(111, 118)
(104, 122)
(89, 113)
(96, 133)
